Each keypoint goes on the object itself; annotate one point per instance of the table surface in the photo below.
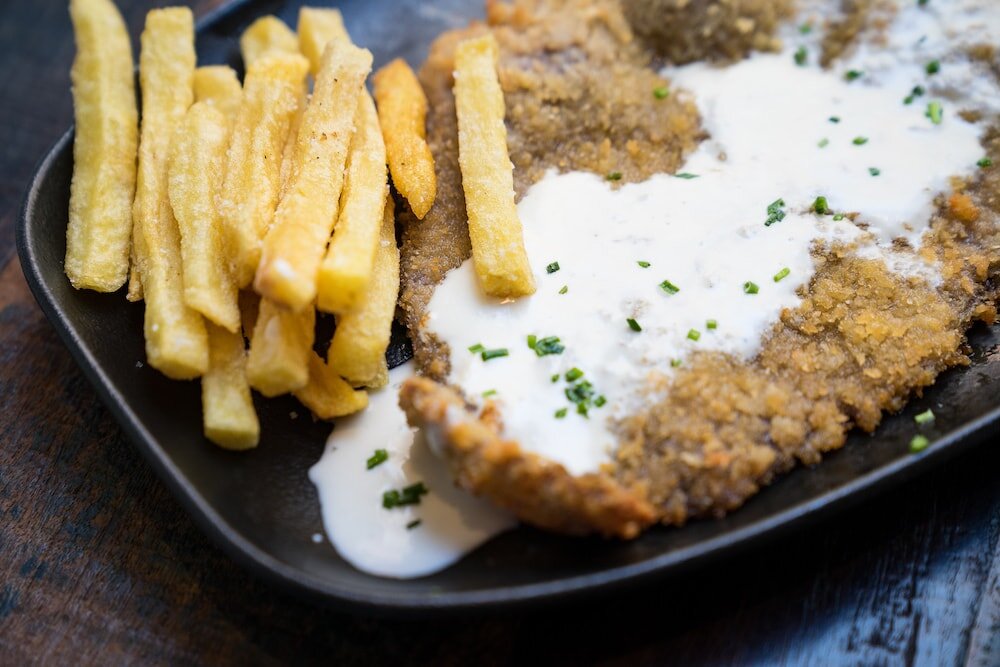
(98, 563)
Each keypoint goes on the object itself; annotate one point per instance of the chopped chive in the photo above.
(933, 67)
(821, 206)
(477, 348)
(781, 275)
(600, 401)
(914, 94)
(532, 341)
(838, 217)
(834, 119)
(805, 28)
(775, 212)
(694, 334)
(581, 409)
(852, 75)
(378, 458)
(413, 524)
(661, 92)
(555, 377)
(552, 268)
(686, 175)
(925, 417)
(984, 163)
(750, 287)
(669, 287)
(561, 413)
(633, 325)
(548, 345)
(860, 141)
(919, 443)
(573, 374)
(823, 143)
(874, 171)
(409, 495)
(675, 363)
(494, 354)
(935, 112)
(646, 265)
(614, 176)
(801, 56)
(489, 392)
(564, 289)
(711, 325)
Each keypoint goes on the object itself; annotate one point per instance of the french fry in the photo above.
(327, 395)
(104, 148)
(271, 94)
(317, 26)
(176, 341)
(197, 168)
(347, 268)
(402, 113)
(228, 415)
(487, 173)
(279, 349)
(265, 36)
(294, 246)
(357, 351)
(218, 86)
(288, 152)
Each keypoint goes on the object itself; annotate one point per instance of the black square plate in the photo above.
(261, 507)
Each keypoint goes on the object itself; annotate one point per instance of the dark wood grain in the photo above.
(98, 564)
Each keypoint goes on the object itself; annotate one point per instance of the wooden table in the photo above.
(98, 563)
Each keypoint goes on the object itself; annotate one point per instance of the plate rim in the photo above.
(276, 572)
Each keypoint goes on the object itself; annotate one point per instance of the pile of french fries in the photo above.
(235, 210)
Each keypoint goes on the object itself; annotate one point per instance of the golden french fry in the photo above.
(197, 167)
(176, 342)
(487, 173)
(357, 351)
(218, 86)
(288, 152)
(402, 113)
(327, 395)
(104, 148)
(265, 36)
(346, 270)
(279, 349)
(228, 415)
(294, 246)
(317, 26)
(248, 199)
(381, 378)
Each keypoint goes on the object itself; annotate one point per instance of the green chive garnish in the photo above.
(801, 56)
(933, 67)
(860, 141)
(561, 413)
(409, 495)
(413, 524)
(750, 287)
(600, 401)
(914, 94)
(555, 378)
(919, 443)
(874, 171)
(984, 163)
(775, 212)
(477, 348)
(494, 354)
(694, 334)
(852, 74)
(564, 289)
(548, 345)
(573, 374)
(532, 340)
(823, 143)
(633, 325)
(661, 92)
(834, 119)
(675, 363)
(805, 28)
(379, 457)
(552, 268)
(781, 275)
(686, 175)
(821, 206)
(646, 265)
(925, 417)
(489, 392)
(935, 112)
(711, 325)
(614, 176)
(669, 287)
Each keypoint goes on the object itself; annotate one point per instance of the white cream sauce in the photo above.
(377, 540)
(767, 117)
